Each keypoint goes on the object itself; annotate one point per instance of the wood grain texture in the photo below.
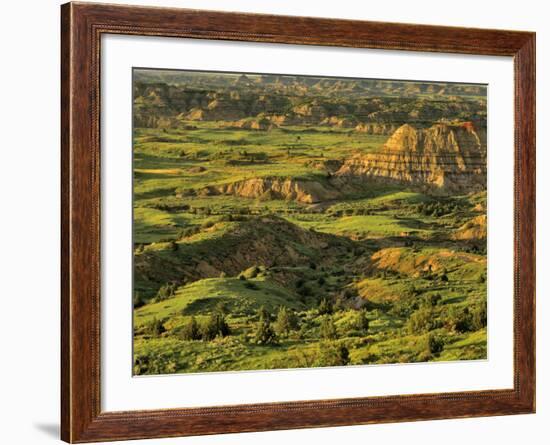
(82, 26)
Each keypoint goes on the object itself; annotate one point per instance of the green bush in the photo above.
(191, 330)
(166, 291)
(250, 285)
(304, 291)
(215, 326)
(327, 328)
(459, 319)
(155, 328)
(433, 299)
(286, 322)
(479, 316)
(332, 354)
(325, 307)
(153, 363)
(422, 320)
(361, 322)
(264, 334)
(435, 344)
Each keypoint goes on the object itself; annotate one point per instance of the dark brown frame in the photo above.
(82, 25)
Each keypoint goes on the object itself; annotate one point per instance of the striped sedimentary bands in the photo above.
(448, 158)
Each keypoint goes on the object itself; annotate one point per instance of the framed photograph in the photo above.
(275, 222)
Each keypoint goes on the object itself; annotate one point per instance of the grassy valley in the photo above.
(266, 234)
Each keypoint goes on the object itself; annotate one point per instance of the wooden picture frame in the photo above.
(82, 26)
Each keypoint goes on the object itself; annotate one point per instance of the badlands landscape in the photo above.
(288, 221)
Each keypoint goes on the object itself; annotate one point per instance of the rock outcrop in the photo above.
(257, 123)
(307, 192)
(473, 230)
(448, 158)
(340, 122)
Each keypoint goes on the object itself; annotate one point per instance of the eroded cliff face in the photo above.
(442, 157)
(307, 192)
(475, 229)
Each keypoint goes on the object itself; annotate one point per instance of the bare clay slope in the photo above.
(446, 158)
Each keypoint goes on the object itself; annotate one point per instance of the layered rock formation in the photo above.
(443, 157)
(258, 123)
(308, 192)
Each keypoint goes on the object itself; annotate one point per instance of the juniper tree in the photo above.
(264, 333)
(286, 321)
(325, 307)
(361, 321)
(155, 328)
(191, 330)
(327, 329)
(215, 326)
(332, 354)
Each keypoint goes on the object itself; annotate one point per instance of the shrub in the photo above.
(252, 272)
(264, 334)
(155, 328)
(221, 307)
(251, 285)
(421, 321)
(339, 303)
(215, 326)
(327, 328)
(332, 354)
(349, 293)
(208, 224)
(361, 322)
(191, 330)
(166, 291)
(479, 316)
(459, 319)
(304, 291)
(433, 300)
(435, 344)
(153, 363)
(325, 307)
(286, 321)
